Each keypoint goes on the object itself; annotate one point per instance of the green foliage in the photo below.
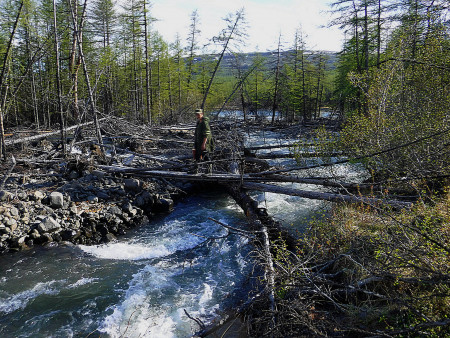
(408, 105)
(399, 104)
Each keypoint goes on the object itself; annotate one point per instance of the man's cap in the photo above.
(199, 111)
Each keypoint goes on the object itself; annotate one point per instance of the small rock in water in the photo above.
(109, 237)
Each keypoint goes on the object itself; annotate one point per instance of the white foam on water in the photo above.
(206, 295)
(242, 263)
(139, 314)
(81, 282)
(135, 318)
(166, 241)
(126, 251)
(154, 304)
(21, 299)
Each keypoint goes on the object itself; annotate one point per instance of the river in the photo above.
(141, 285)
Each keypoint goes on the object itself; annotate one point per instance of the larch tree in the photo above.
(276, 80)
(104, 24)
(192, 44)
(3, 75)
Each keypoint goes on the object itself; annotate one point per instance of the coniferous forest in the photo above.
(360, 270)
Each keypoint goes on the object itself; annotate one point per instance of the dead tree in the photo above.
(58, 81)
(86, 74)
(277, 81)
(147, 67)
(75, 62)
(226, 37)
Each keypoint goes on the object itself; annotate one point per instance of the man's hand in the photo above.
(204, 144)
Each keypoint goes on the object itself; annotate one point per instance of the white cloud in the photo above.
(266, 19)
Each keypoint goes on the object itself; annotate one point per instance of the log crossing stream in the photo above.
(149, 282)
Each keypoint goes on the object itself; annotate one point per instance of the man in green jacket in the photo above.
(203, 141)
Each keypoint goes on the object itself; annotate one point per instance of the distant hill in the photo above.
(228, 61)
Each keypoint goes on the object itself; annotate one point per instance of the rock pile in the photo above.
(89, 208)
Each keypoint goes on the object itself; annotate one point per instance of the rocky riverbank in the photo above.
(87, 207)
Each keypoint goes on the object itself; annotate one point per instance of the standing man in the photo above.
(203, 141)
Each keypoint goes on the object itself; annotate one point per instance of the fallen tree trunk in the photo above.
(290, 155)
(147, 156)
(250, 182)
(317, 181)
(259, 216)
(325, 196)
(268, 231)
(290, 145)
(41, 136)
(8, 173)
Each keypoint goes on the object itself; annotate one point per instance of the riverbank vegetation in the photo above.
(366, 270)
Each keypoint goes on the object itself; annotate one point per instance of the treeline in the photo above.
(64, 59)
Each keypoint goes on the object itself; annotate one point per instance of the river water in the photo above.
(141, 285)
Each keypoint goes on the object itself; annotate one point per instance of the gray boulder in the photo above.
(132, 184)
(163, 205)
(56, 199)
(11, 223)
(48, 224)
(14, 212)
(115, 210)
(144, 200)
(5, 196)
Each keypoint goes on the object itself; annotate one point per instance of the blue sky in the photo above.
(267, 19)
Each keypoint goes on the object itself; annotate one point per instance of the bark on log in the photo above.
(269, 231)
(259, 216)
(273, 147)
